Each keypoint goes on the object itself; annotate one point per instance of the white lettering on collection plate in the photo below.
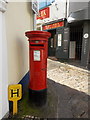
(36, 55)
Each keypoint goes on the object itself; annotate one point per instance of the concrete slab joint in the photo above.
(3, 5)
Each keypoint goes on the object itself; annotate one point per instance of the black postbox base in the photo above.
(39, 97)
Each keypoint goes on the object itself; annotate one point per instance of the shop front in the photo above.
(58, 44)
(79, 25)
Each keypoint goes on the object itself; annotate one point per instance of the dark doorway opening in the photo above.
(76, 35)
(52, 43)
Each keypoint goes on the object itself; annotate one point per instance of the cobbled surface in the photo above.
(71, 85)
(69, 75)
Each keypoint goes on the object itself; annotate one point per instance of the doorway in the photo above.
(76, 35)
(52, 43)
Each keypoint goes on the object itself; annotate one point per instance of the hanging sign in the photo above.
(35, 6)
(44, 13)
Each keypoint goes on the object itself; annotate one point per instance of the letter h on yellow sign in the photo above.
(14, 94)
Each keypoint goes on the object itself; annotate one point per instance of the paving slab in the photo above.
(66, 94)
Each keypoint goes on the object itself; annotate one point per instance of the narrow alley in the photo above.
(44, 59)
(67, 94)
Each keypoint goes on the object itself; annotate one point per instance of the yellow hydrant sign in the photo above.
(14, 94)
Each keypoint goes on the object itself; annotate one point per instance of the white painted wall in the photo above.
(0, 64)
(3, 62)
(19, 19)
(57, 11)
(5, 71)
(76, 5)
(14, 48)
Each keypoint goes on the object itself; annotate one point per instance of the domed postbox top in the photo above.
(38, 35)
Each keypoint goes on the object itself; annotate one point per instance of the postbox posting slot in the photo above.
(37, 45)
(37, 41)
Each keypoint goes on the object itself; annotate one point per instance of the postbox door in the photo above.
(38, 65)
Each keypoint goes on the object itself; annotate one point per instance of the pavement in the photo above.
(67, 94)
(69, 75)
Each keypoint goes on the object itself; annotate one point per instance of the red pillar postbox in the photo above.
(38, 52)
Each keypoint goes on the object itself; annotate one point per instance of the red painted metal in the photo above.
(38, 46)
(44, 13)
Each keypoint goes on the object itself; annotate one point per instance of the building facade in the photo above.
(53, 19)
(70, 41)
(79, 25)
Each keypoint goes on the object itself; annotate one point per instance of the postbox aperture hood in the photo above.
(37, 35)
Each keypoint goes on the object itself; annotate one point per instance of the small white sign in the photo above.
(86, 35)
(59, 39)
(36, 55)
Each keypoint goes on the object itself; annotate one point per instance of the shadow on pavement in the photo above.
(70, 102)
(62, 102)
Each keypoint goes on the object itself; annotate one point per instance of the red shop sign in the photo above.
(54, 25)
(44, 13)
